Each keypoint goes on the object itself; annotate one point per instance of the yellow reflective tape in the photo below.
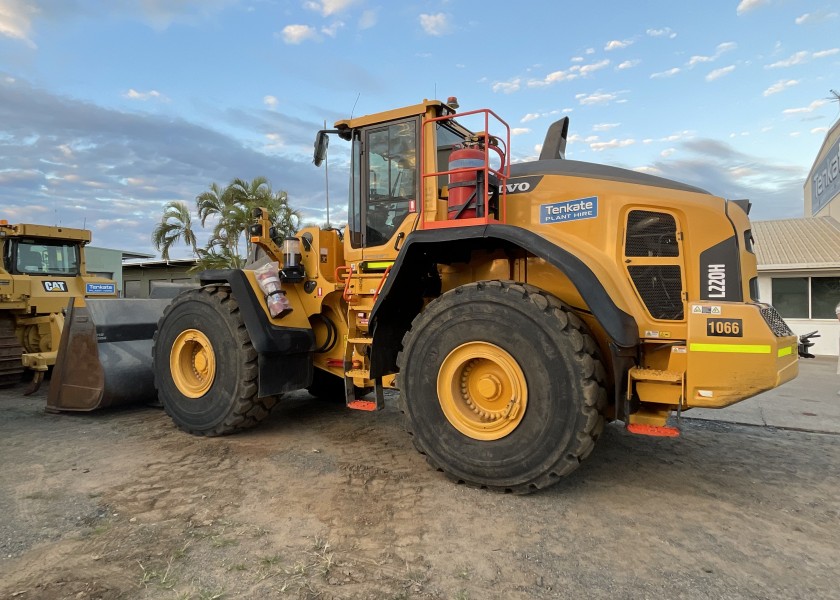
(736, 348)
(785, 351)
(384, 264)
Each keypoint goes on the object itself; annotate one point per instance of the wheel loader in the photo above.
(43, 267)
(516, 307)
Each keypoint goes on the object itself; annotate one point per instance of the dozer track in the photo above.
(11, 367)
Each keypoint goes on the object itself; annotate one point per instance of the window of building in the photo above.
(806, 297)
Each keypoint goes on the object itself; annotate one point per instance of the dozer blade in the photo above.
(105, 355)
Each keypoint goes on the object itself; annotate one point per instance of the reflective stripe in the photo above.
(737, 348)
(785, 351)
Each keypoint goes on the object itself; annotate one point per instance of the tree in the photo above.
(175, 224)
(230, 211)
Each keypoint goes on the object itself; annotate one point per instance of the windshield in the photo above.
(47, 257)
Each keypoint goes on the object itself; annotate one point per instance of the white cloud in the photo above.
(436, 24)
(614, 143)
(296, 34)
(796, 59)
(596, 98)
(133, 94)
(617, 44)
(332, 29)
(328, 7)
(270, 101)
(519, 130)
(589, 51)
(780, 86)
(628, 64)
(604, 126)
(814, 18)
(16, 20)
(819, 130)
(586, 70)
(577, 59)
(664, 32)
(573, 72)
(696, 60)
(824, 53)
(748, 5)
(507, 87)
(663, 74)
(667, 152)
(529, 117)
(805, 109)
(720, 49)
(368, 19)
(718, 73)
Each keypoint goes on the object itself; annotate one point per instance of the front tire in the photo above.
(206, 371)
(502, 386)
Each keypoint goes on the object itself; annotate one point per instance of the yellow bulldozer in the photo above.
(42, 268)
(517, 307)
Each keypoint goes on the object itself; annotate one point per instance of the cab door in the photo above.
(384, 190)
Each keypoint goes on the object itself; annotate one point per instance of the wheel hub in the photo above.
(482, 390)
(192, 363)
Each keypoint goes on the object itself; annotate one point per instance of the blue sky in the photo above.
(111, 108)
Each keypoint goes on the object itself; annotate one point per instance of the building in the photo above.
(108, 263)
(822, 188)
(799, 259)
(799, 274)
(138, 278)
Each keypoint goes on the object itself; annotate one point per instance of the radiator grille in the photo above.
(775, 321)
(660, 287)
(651, 234)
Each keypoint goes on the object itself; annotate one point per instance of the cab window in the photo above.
(392, 180)
(46, 257)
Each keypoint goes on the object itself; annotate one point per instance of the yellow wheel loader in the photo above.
(42, 269)
(516, 307)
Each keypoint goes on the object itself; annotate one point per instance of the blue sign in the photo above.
(570, 210)
(100, 288)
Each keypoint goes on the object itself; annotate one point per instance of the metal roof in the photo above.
(801, 244)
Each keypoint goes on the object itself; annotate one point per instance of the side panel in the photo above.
(285, 353)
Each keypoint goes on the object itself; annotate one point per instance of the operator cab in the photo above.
(418, 161)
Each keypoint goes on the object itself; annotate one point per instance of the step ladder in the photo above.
(360, 293)
(652, 387)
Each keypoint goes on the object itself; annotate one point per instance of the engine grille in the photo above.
(775, 321)
(651, 234)
(660, 287)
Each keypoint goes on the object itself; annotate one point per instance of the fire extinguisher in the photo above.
(464, 201)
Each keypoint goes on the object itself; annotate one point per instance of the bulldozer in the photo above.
(517, 307)
(42, 268)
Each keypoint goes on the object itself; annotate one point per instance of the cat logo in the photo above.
(55, 286)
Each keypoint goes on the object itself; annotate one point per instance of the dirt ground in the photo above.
(320, 502)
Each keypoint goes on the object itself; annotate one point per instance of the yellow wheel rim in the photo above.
(482, 391)
(192, 363)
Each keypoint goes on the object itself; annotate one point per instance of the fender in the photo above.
(401, 297)
(284, 353)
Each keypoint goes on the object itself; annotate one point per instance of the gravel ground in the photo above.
(320, 502)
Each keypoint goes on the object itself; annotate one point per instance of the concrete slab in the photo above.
(808, 403)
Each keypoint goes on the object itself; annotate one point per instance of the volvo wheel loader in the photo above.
(42, 269)
(516, 307)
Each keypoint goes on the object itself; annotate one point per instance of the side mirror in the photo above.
(322, 142)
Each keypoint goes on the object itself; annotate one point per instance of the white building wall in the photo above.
(828, 344)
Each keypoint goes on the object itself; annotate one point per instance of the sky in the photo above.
(111, 108)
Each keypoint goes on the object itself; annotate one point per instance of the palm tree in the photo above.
(175, 224)
(230, 209)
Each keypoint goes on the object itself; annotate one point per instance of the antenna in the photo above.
(835, 96)
(327, 174)
(352, 111)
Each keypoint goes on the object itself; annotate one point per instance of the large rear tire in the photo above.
(205, 364)
(502, 386)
